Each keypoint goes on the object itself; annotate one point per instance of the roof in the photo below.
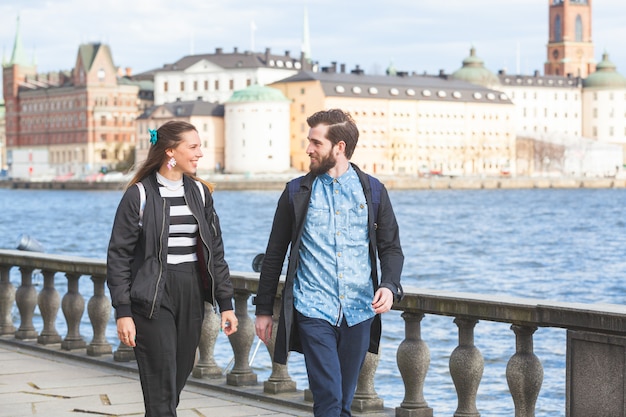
(257, 93)
(474, 71)
(605, 76)
(236, 59)
(536, 80)
(88, 52)
(18, 56)
(406, 87)
(187, 109)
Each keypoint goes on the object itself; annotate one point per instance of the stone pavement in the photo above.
(33, 382)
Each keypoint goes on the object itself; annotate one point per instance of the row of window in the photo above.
(195, 85)
(557, 97)
(410, 92)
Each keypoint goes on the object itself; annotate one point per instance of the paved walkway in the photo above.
(33, 382)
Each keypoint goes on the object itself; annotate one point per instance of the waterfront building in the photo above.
(214, 77)
(256, 121)
(409, 124)
(604, 104)
(69, 123)
(3, 140)
(208, 118)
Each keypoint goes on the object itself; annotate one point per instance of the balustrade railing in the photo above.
(593, 331)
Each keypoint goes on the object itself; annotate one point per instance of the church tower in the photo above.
(14, 73)
(570, 50)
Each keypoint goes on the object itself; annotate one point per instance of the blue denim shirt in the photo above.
(333, 277)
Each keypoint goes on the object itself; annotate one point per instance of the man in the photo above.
(336, 219)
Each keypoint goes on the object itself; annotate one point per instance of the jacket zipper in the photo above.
(209, 260)
(156, 292)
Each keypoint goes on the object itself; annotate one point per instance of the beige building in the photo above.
(208, 118)
(409, 125)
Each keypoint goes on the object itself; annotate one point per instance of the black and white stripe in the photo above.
(183, 233)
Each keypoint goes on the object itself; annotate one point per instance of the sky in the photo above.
(413, 35)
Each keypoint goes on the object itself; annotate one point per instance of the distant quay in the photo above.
(233, 183)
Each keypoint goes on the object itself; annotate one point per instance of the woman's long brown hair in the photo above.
(169, 136)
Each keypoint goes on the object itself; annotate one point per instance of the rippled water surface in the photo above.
(563, 245)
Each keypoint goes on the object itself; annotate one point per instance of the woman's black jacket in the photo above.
(137, 254)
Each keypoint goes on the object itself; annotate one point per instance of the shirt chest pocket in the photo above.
(357, 221)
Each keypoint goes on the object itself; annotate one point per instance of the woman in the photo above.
(165, 258)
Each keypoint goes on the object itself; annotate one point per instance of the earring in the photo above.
(171, 163)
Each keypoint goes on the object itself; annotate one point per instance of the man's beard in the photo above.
(325, 164)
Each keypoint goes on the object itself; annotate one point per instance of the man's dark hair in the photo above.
(341, 127)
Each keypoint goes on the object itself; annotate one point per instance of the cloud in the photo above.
(425, 35)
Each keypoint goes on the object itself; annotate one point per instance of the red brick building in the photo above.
(69, 123)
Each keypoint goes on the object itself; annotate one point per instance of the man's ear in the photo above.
(341, 147)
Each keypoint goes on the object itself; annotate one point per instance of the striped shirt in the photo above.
(183, 233)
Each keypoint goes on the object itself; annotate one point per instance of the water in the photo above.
(561, 245)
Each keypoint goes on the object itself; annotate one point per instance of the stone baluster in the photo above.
(26, 300)
(365, 398)
(241, 342)
(7, 298)
(99, 311)
(73, 306)
(524, 372)
(123, 353)
(206, 367)
(49, 302)
(466, 369)
(413, 358)
(279, 381)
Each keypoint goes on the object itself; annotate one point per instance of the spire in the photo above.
(18, 56)
(306, 43)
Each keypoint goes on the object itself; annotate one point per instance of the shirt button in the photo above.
(341, 297)
(338, 233)
(336, 191)
(340, 275)
(337, 212)
(339, 254)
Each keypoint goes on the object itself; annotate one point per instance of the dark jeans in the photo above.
(166, 345)
(333, 357)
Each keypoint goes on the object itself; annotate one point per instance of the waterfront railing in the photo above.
(595, 352)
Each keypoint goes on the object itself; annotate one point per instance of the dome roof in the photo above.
(606, 76)
(257, 93)
(474, 71)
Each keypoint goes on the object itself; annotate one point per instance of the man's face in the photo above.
(321, 151)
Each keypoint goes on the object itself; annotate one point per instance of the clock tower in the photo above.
(570, 50)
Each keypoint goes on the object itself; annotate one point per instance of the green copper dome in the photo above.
(257, 93)
(474, 71)
(606, 76)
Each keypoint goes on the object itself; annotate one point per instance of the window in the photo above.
(557, 29)
(231, 85)
(579, 29)
(195, 86)
(165, 86)
(217, 85)
(206, 85)
(182, 86)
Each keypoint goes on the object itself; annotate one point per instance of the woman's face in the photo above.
(187, 153)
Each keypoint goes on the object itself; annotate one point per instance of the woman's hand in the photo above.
(126, 331)
(229, 322)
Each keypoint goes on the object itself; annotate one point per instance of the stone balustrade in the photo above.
(595, 351)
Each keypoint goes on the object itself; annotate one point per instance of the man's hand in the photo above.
(229, 322)
(263, 325)
(383, 300)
